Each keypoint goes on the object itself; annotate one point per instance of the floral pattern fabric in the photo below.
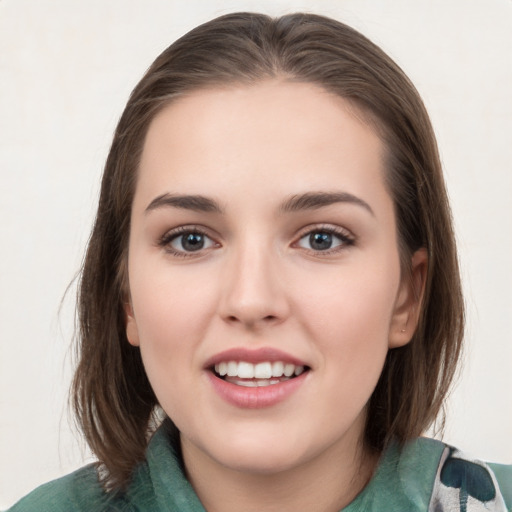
(463, 484)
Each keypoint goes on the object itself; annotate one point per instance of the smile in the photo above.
(255, 378)
(262, 374)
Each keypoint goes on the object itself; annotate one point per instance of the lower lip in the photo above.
(255, 398)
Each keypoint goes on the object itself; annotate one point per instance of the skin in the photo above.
(258, 282)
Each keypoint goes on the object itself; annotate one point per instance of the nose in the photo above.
(253, 293)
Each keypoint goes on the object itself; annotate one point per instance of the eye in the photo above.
(325, 239)
(184, 241)
(191, 242)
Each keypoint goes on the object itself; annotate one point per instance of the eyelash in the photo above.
(166, 240)
(344, 236)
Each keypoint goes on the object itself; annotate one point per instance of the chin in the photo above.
(248, 451)
(261, 461)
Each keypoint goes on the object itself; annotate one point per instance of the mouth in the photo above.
(254, 375)
(257, 378)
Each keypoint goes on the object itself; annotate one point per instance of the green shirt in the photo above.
(423, 476)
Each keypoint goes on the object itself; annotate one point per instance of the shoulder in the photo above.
(81, 491)
(69, 493)
(503, 474)
(158, 483)
(461, 482)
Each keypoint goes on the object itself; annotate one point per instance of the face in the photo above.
(264, 275)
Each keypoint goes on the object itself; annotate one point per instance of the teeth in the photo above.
(289, 370)
(232, 369)
(261, 371)
(222, 369)
(248, 383)
(277, 369)
(258, 383)
(245, 370)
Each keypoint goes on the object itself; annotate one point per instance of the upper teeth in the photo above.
(265, 370)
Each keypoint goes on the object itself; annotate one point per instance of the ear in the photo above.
(408, 302)
(132, 332)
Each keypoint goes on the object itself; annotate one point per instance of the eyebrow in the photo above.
(298, 202)
(315, 200)
(196, 203)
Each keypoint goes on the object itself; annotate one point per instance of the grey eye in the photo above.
(191, 242)
(320, 241)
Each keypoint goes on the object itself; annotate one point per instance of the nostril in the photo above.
(252, 321)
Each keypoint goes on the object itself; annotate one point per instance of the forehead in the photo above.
(281, 133)
(269, 106)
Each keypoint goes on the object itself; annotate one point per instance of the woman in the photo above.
(273, 271)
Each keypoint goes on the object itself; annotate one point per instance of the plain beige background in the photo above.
(66, 69)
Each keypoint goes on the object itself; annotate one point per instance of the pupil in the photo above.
(320, 241)
(193, 242)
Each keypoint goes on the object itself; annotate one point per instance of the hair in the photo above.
(111, 395)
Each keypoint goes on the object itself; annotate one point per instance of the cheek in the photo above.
(348, 316)
(171, 322)
(356, 305)
(167, 299)
(172, 310)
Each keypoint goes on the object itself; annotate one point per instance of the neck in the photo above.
(327, 483)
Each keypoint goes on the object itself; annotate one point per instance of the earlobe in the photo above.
(132, 333)
(409, 300)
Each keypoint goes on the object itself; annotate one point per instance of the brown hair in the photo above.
(112, 397)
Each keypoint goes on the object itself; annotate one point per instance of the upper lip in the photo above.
(253, 356)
